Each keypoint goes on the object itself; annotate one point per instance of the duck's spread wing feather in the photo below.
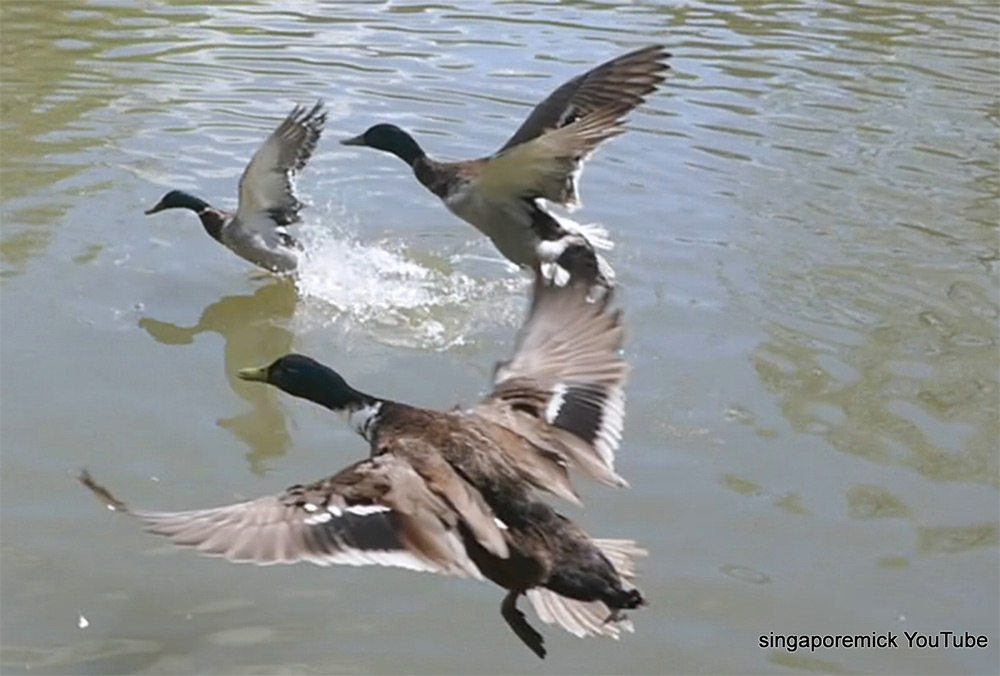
(563, 389)
(621, 83)
(547, 166)
(379, 511)
(267, 191)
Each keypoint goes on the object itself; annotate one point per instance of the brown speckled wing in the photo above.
(379, 511)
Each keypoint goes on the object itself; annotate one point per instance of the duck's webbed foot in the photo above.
(616, 616)
(524, 631)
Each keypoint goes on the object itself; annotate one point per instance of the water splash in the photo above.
(386, 290)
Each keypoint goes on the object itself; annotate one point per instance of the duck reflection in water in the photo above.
(251, 325)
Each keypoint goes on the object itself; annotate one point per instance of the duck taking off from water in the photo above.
(456, 492)
(506, 196)
(257, 230)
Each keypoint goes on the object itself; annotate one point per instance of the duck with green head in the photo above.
(507, 195)
(456, 492)
(257, 230)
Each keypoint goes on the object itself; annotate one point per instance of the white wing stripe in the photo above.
(555, 403)
(362, 510)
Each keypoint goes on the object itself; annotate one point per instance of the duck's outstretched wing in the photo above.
(620, 84)
(379, 511)
(267, 190)
(563, 389)
(547, 166)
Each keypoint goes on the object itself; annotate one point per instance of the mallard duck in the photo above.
(454, 492)
(257, 230)
(505, 196)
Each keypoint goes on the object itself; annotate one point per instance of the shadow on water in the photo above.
(251, 325)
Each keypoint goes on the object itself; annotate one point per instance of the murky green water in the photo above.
(806, 219)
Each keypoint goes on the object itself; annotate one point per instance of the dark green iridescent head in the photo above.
(391, 139)
(178, 199)
(304, 377)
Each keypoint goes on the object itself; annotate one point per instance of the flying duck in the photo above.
(257, 231)
(506, 196)
(454, 492)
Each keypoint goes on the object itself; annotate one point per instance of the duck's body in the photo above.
(516, 227)
(257, 229)
(526, 232)
(456, 492)
(271, 248)
(507, 195)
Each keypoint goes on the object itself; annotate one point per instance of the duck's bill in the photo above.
(153, 210)
(358, 140)
(255, 373)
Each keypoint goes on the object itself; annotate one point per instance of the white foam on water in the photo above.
(387, 290)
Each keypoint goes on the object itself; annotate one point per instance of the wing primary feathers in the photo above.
(379, 511)
(621, 84)
(563, 388)
(267, 190)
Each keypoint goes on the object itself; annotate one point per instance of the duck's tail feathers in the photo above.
(579, 262)
(596, 238)
(605, 272)
(591, 618)
(580, 618)
(622, 555)
(596, 234)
